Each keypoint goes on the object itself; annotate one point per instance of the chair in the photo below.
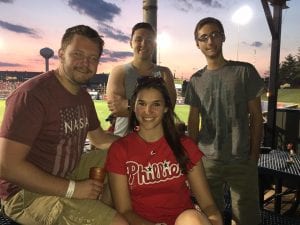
(265, 182)
(267, 185)
(267, 217)
(4, 220)
(227, 214)
(270, 218)
(265, 150)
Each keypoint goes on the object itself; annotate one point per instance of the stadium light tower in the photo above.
(47, 53)
(163, 41)
(241, 17)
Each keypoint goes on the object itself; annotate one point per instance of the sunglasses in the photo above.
(150, 80)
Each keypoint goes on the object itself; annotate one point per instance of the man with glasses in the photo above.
(226, 96)
(122, 79)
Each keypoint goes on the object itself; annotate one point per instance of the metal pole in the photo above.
(47, 64)
(275, 28)
(238, 42)
(150, 16)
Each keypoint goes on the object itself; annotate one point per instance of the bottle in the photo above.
(97, 173)
(291, 152)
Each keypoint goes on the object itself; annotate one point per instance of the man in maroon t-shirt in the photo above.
(46, 122)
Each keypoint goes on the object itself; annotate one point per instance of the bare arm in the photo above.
(256, 127)
(101, 139)
(200, 189)
(15, 168)
(193, 123)
(122, 201)
(115, 90)
(168, 78)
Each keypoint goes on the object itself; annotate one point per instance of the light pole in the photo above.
(150, 16)
(241, 17)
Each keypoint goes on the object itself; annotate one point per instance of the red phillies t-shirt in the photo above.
(158, 189)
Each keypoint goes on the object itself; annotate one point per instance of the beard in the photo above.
(72, 75)
(82, 69)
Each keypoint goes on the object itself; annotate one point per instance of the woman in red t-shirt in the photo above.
(153, 169)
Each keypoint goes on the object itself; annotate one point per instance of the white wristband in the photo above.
(71, 189)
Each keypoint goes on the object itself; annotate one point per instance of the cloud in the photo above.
(188, 5)
(104, 13)
(256, 44)
(183, 5)
(6, 1)
(19, 29)
(113, 33)
(211, 3)
(113, 56)
(100, 10)
(6, 64)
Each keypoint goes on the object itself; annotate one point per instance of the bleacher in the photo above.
(10, 80)
(6, 87)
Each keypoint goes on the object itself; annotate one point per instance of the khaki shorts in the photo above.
(34, 209)
(242, 178)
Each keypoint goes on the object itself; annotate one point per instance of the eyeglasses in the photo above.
(213, 36)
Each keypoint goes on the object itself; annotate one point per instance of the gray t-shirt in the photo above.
(222, 96)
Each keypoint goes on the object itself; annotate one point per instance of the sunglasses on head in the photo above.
(149, 80)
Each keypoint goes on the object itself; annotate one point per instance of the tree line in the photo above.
(289, 71)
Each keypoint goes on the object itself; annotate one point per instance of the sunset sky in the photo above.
(26, 26)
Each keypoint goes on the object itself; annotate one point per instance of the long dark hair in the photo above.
(170, 130)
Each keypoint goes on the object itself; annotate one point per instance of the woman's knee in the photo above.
(192, 216)
(119, 220)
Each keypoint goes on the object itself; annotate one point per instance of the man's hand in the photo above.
(118, 106)
(88, 189)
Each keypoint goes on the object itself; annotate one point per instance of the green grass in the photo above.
(284, 95)
(103, 112)
(288, 95)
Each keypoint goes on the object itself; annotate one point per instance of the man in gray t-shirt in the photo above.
(225, 119)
